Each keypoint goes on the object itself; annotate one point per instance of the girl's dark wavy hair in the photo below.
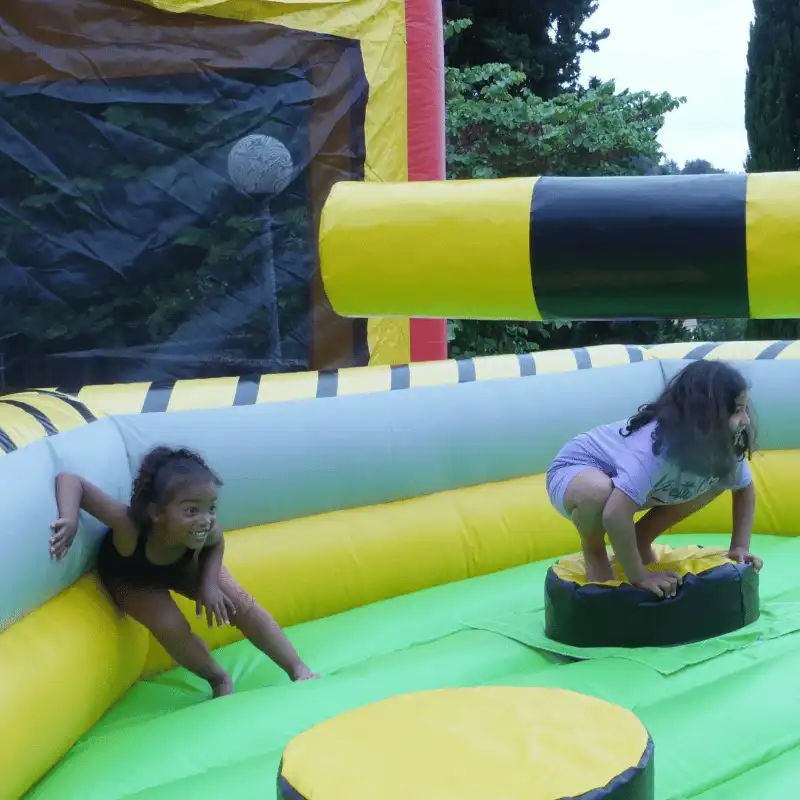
(693, 414)
(161, 471)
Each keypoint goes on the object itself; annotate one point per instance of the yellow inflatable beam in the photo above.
(678, 246)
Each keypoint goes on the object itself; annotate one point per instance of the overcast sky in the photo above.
(691, 48)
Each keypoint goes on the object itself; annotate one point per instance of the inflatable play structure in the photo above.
(403, 537)
(386, 504)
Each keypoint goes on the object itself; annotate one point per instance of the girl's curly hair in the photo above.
(693, 415)
(157, 478)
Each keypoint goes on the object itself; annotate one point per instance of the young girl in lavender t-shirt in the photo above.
(673, 457)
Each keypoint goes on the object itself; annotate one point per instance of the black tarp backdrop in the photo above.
(127, 253)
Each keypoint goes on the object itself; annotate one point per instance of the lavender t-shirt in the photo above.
(648, 479)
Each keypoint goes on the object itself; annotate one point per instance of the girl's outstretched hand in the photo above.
(303, 673)
(218, 606)
(741, 555)
(64, 531)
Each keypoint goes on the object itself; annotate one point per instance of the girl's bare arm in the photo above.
(744, 511)
(621, 530)
(74, 493)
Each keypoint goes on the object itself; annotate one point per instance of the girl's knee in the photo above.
(588, 493)
(243, 602)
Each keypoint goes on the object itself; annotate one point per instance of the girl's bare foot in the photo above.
(303, 673)
(221, 686)
(598, 567)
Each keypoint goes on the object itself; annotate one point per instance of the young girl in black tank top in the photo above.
(168, 539)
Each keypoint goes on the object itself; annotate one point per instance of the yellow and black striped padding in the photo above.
(726, 351)
(515, 743)
(136, 398)
(29, 416)
(679, 246)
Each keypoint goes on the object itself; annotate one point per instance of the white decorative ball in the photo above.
(260, 164)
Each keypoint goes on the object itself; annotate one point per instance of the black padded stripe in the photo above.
(773, 350)
(621, 247)
(634, 354)
(286, 791)
(38, 415)
(327, 383)
(400, 377)
(466, 370)
(6, 444)
(158, 396)
(69, 388)
(702, 351)
(732, 590)
(247, 390)
(527, 364)
(80, 407)
(635, 783)
(582, 357)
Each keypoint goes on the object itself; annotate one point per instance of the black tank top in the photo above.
(137, 569)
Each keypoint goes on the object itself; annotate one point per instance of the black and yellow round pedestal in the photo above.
(717, 596)
(473, 744)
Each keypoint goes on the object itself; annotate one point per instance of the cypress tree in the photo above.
(772, 98)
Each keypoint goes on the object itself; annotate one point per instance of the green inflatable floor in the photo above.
(724, 715)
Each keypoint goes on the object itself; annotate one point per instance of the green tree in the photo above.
(666, 166)
(497, 127)
(542, 39)
(772, 94)
(699, 166)
(470, 338)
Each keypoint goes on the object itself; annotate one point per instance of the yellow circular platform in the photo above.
(687, 560)
(470, 744)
